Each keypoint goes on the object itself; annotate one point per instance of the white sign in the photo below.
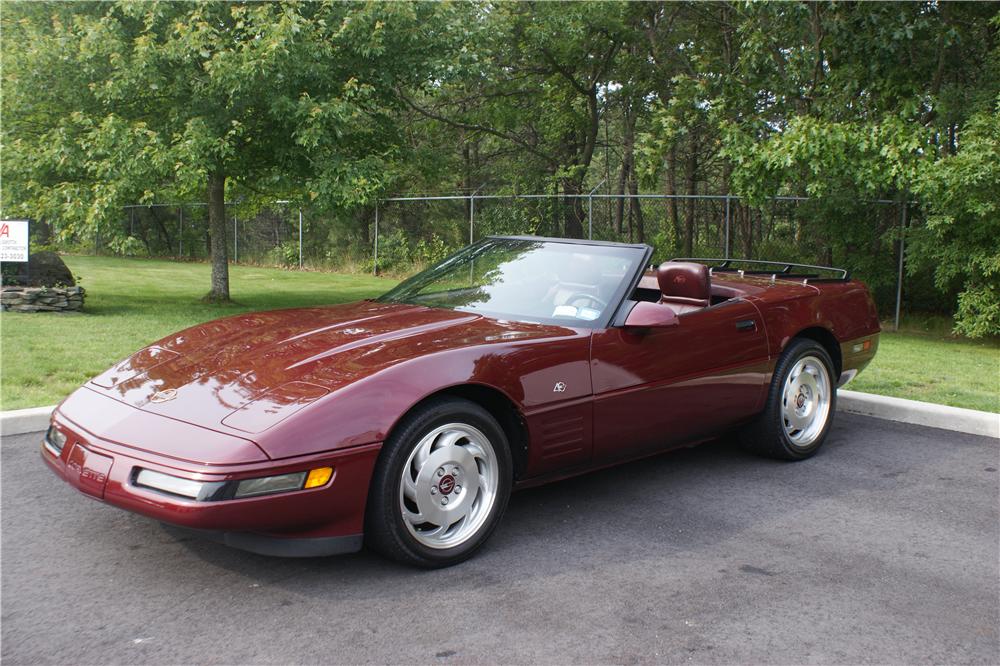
(13, 240)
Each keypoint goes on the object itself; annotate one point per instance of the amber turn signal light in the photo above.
(318, 477)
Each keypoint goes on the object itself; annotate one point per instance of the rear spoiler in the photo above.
(805, 272)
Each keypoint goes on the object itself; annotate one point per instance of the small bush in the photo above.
(285, 254)
(127, 246)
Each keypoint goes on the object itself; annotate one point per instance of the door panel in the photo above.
(663, 387)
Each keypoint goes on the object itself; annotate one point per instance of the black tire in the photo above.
(386, 529)
(766, 435)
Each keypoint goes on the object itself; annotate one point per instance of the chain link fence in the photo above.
(279, 234)
(399, 235)
(863, 236)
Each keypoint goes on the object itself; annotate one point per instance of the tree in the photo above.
(961, 241)
(534, 87)
(111, 104)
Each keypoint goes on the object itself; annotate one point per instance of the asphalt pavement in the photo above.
(884, 548)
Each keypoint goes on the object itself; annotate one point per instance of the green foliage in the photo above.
(332, 105)
(284, 254)
(962, 238)
(117, 103)
(432, 250)
(399, 255)
(393, 252)
(127, 246)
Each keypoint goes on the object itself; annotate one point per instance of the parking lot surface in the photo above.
(883, 548)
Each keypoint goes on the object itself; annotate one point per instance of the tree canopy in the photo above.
(112, 104)
(336, 104)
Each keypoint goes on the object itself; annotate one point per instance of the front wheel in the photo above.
(799, 407)
(441, 485)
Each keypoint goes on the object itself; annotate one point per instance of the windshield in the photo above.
(525, 279)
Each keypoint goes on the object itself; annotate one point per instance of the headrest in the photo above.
(684, 280)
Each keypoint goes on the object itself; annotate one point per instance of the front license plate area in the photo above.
(88, 470)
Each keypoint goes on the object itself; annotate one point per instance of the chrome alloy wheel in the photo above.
(449, 485)
(806, 401)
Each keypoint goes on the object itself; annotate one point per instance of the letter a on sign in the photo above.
(13, 240)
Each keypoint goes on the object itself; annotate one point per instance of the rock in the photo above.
(42, 299)
(49, 270)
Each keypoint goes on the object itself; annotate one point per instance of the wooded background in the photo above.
(333, 107)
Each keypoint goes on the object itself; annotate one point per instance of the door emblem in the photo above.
(164, 396)
(560, 387)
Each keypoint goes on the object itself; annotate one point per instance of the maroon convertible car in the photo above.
(404, 422)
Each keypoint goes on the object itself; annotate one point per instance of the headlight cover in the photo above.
(54, 441)
(212, 491)
(201, 491)
(268, 485)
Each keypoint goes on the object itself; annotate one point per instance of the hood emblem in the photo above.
(560, 387)
(163, 396)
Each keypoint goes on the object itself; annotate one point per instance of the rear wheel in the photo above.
(441, 485)
(800, 405)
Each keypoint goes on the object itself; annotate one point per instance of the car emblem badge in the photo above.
(560, 387)
(446, 484)
(163, 396)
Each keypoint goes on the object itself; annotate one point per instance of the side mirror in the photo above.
(651, 315)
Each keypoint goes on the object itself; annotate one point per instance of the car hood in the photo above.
(244, 374)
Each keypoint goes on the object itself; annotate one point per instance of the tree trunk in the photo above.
(727, 176)
(675, 222)
(691, 182)
(573, 207)
(746, 230)
(635, 203)
(628, 171)
(217, 230)
(164, 234)
(620, 201)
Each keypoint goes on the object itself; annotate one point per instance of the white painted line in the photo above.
(920, 413)
(20, 421)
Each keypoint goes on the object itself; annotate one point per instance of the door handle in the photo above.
(746, 325)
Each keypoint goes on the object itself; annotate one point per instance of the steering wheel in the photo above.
(590, 297)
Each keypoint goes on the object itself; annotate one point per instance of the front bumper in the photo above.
(315, 521)
(276, 546)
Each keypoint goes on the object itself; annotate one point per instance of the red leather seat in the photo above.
(684, 286)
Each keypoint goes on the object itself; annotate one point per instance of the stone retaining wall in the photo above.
(42, 299)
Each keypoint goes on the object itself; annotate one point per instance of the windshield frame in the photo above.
(625, 287)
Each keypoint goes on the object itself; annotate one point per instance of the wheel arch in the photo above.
(829, 342)
(498, 404)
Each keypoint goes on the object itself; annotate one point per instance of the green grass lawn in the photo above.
(934, 367)
(132, 302)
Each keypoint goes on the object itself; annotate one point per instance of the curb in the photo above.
(957, 419)
(21, 421)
